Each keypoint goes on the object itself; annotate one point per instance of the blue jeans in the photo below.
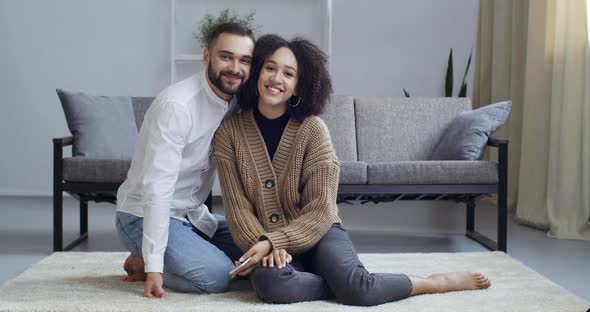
(193, 262)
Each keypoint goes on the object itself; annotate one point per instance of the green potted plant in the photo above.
(449, 78)
(210, 22)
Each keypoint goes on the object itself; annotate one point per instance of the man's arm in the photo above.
(164, 134)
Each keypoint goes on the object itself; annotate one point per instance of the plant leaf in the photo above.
(449, 76)
(465, 75)
(463, 91)
(210, 22)
(406, 92)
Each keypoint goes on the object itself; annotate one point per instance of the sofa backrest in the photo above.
(376, 129)
(396, 129)
(339, 117)
(140, 106)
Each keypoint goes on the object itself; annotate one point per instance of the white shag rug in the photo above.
(77, 281)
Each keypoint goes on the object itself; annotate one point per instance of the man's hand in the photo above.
(257, 252)
(153, 285)
(281, 257)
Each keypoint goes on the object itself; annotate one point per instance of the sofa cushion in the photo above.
(103, 127)
(353, 172)
(391, 129)
(433, 172)
(339, 117)
(466, 137)
(82, 169)
(140, 106)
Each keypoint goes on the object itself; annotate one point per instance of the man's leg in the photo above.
(191, 263)
(130, 234)
(223, 240)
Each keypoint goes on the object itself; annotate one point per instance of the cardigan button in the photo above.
(269, 184)
(274, 218)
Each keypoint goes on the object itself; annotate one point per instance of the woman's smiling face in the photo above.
(277, 81)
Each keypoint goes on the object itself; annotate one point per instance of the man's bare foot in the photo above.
(455, 281)
(135, 269)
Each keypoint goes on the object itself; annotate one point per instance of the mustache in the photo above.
(233, 74)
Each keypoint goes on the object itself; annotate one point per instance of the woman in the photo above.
(279, 178)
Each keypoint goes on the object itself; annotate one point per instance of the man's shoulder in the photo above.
(182, 91)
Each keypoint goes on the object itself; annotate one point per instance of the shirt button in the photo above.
(274, 218)
(269, 184)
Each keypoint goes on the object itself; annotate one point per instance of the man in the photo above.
(161, 217)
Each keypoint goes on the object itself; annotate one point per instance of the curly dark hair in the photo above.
(314, 84)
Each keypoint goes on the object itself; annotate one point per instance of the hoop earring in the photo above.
(256, 91)
(298, 101)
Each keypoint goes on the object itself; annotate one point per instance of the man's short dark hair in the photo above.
(314, 84)
(230, 28)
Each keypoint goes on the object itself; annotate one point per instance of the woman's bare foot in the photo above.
(446, 282)
(456, 281)
(135, 269)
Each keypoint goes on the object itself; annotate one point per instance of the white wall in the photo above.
(382, 46)
(114, 47)
(101, 47)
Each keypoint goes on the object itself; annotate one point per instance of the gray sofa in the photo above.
(383, 144)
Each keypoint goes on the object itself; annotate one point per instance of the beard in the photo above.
(225, 86)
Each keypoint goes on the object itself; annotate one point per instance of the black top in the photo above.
(271, 130)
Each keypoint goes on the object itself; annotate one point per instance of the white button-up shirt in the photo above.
(172, 170)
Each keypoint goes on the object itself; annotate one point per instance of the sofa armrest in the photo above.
(497, 142)
(58, 146)
(65, 141)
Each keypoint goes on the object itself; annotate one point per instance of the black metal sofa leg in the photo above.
(57, 219)
(473, 234)
(58, 222)
(470, 231)
(83, 216)
(470, 224)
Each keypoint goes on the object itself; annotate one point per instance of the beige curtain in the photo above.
(536, 54)
(499, 73)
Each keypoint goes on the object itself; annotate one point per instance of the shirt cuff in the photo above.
(154, 263)
(278, 240)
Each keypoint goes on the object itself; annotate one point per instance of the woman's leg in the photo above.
(289, 284)
(336, 261)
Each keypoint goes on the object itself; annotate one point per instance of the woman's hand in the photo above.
(257, 252)
(281, 257)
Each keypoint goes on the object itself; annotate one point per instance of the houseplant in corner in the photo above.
(449, 78)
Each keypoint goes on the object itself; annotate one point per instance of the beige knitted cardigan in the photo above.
(290, 201)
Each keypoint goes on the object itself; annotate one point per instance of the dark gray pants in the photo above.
(330, 269)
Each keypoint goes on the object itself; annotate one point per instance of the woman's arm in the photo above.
(243, 224)
(320, 186)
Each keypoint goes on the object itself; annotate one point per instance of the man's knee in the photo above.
(212, 279)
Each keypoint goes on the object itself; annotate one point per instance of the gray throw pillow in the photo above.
(466, 137)
(103, 126)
